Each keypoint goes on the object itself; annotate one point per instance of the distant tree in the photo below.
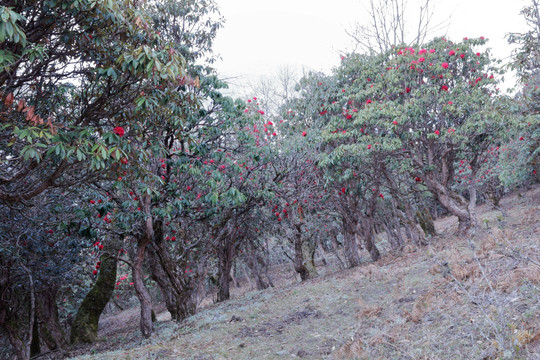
(390, 25)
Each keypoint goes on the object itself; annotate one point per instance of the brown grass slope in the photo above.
(458, 298)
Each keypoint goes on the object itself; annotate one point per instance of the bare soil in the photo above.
(457, 298)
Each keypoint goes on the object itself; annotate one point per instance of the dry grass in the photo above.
(457, 298)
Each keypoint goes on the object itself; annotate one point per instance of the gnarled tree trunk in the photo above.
(49, 328)
(85, 324)
(299, 264)
(8, 320)
(141, 291)
(179, 288)
(456, 204)
(350, 246)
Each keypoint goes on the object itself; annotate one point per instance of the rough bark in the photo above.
(368, 240)
(309, 248)
(141, 291)
(49, 329)
(456, 204)
(411, 225)
(85, 323)
(159, 276)
(180, 289)
(224, 284)
(335, 251)
(299, 263)
(21, 345)
(226, 257)
(255, 262)
(350, 247)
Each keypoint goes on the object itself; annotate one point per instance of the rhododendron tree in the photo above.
(430, 133)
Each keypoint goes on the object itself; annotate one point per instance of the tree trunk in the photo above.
(35, 347)
(391, 236)
(299, 265)
(248, 277)
(226, 257)
(49, 328)
(179, 287)
(224, 284)
(159, 276)
(17, 343)
(350, 247)
(308, 249)
(335, 251)
(233, 276)
(85, 324)
(456, 204)
(368, 238)
(21, 345)
(256, 263)
(141, 291)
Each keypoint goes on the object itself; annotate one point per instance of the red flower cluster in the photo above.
(119, 131)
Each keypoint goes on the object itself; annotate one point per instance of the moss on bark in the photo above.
(85, 324)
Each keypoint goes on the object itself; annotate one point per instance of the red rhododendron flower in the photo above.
(408, 90)
(437, 132)
(394, 122)
(119, 131)
(421, 59)
(445, 65)
(462, 55)
(304, 133)
(478, 54)
(444, 87)
(451, 53)
(368, 102)
(432, 51)
(369, 147)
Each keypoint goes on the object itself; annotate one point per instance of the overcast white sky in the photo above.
(259, 36)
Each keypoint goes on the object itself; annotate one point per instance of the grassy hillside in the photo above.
(458, 298)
